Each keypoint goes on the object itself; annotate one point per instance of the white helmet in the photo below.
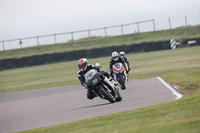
(122, 53)
(115, 55)
(97, 64)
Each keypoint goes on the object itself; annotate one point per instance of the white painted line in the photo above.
(174, 91)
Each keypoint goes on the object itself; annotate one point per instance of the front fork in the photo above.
(111, 84)
(125, 75)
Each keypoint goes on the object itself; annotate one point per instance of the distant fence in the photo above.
(88, 32)
(90, 53)
(70, 36)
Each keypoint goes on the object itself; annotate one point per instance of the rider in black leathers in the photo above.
(122, 55)
(102, 70)
(84, 67)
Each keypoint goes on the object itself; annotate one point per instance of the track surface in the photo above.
(38, 108)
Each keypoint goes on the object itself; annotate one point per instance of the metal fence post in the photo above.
(105, 32)
(138, 27)
(20, 43)
(89, 33)
(38, 41)
(72, 36)
(154, 26)
(186, 21)
(170, 24)
(55, 38)
(122, 29)
(3, 46)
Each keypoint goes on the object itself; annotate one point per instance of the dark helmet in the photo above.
(82, 63)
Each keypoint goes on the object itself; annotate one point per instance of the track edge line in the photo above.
(172, 89)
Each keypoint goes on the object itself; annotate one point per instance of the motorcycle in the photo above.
(102, 86)
(120, 75)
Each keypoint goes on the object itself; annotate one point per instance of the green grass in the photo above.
(96, 42)
(143, 65)
(187, 81)
(182, 115)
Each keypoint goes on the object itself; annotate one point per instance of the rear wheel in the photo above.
(107, 95)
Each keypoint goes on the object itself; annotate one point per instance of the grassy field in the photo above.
(180, 67)
(95, 42)
(143, 65)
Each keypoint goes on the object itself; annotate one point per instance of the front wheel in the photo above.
(107, 95)
(122, 82)
(119, 97)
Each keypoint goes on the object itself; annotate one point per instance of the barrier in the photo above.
(128, 48)
(39, 60)
(107, 51)
(9, 63)
(88, 53)
(20, 63)
(156, 46)
(147, 46)
(29, 61)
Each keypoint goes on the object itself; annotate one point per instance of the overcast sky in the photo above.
(27, 18)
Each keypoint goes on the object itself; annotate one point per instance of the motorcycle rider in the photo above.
(122, 55)
(115, 59)
(84, 67)
(104, 72)
(100, 67)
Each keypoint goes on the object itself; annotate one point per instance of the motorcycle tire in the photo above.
(107, 95)
(122, 83)
(119, 97)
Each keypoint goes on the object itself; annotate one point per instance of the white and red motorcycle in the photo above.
(120, 75)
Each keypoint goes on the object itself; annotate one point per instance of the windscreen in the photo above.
(117, 65)
(89, 74)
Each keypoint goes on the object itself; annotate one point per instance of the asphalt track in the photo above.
(39, 108)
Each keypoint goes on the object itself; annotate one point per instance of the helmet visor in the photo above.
(81, 66)
(115, 57)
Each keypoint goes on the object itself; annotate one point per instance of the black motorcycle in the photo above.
(102, 86)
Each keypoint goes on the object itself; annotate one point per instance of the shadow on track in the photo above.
(89, 106)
